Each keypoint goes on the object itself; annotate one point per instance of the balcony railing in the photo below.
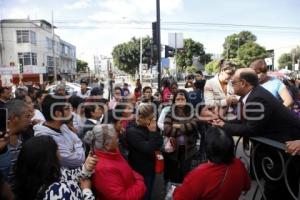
(267, 160)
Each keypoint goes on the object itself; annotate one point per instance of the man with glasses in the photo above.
(262, 115)
(58, 113)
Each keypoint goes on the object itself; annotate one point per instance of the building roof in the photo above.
(27, 21)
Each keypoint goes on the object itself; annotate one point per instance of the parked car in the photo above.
(71, 88)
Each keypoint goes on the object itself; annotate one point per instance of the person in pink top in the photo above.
(113, 178)
(166, 92)
(222, 177)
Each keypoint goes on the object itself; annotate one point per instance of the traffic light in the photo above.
(154, 33)
(169, 51)
(21, 69)
(148, 52)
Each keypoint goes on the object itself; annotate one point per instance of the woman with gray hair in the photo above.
(143, 141)
(113, 177)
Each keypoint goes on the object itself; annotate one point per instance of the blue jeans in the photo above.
(5, 163)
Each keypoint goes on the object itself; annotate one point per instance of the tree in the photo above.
(126, 56)
(235, 41)
(250, 51)
(286, 59)
(191, 50)
(212, 67)
(191, 69)
(81, 66)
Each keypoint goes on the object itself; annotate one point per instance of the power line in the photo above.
(163, 28)
(185, 23)
(174, 23)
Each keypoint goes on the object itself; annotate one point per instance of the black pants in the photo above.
(149, 181)
(175, 170)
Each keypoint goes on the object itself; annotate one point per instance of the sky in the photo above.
(96, 26)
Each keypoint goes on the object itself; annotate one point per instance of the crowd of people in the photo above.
(83, 146)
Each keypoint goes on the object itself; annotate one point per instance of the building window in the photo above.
(32, 37)
(22, 36)
(33, 59)
(66, 50)
(50, 62)
(49, 43)
(25, 36)
(27, 58)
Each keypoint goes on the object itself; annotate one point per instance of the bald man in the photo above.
(273, 85)
(261, 113)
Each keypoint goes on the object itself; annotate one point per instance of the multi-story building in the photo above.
(31, 45)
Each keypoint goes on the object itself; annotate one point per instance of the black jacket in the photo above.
(142, 145)
(88, 126)
(276, 121)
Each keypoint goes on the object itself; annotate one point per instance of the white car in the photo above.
(71, 88)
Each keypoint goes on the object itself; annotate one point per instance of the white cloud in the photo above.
(137, 9)
(23, 12)
(77, 5)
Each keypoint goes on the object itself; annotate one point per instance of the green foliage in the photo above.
(81, 66)
(250, 51)
(184, 57)
(286, 59)
(191, 69)
(212, 67)
(126, 56)
(235, 41)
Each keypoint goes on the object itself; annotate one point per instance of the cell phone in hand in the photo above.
(3, 122)
(92, 146)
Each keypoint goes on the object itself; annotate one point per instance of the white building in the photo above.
(29, 43)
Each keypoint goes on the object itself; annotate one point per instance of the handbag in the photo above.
(159, 162)
(168, 147)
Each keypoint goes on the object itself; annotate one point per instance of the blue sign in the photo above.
(165, 62)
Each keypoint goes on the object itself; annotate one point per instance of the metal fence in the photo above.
(268, 162)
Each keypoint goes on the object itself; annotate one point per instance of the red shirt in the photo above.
(115, 179)
(205, 182)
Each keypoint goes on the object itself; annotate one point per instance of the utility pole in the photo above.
(158, 44)
(175, 56)
(227, 50)
(141, 58)
(238, 50)
(293, 61)
(53, 51)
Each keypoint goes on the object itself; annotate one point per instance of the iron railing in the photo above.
(267, 160)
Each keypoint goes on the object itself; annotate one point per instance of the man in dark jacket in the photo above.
(5, 95)
(261, 114)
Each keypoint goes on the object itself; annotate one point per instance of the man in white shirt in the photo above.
(84, 92)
